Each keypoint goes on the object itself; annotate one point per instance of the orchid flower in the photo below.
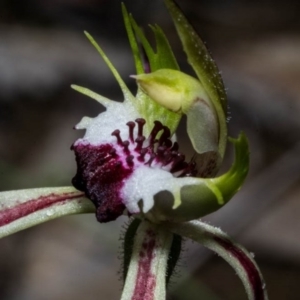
(129, 162)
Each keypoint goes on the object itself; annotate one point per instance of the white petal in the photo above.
(146, 182)
(100, 128)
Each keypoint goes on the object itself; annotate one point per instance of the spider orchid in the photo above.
(129, 162)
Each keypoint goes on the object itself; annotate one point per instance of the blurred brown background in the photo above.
(43, 50)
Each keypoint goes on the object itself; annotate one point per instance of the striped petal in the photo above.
(237, 256)
(22, 209)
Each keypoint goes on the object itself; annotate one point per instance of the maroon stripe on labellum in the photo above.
(24, 209)
(249, 267)
(145, 280)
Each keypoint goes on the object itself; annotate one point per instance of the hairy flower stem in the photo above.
(146, 276)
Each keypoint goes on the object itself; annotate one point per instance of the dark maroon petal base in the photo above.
(100, 174)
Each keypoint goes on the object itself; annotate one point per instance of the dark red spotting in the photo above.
(145, 280)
